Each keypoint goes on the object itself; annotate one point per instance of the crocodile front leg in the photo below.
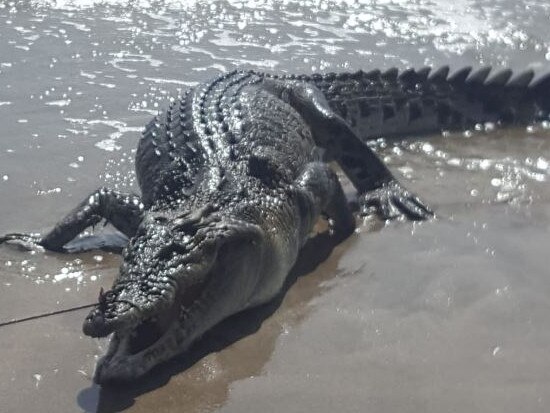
(124, 211)
(379, 190)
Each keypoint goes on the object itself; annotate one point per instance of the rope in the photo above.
(35, 317)
(29, 238)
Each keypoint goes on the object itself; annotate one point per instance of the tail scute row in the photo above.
(391, 103)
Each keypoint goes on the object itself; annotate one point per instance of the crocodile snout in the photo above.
(126, 309)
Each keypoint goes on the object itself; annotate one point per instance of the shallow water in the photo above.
(448, 315)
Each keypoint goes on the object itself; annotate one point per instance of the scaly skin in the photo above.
(233, 179)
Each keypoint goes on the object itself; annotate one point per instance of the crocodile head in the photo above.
(179, 277)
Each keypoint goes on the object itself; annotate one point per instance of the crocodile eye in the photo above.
(161, 220)
(169, 251)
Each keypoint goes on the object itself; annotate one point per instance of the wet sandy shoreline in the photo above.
(448, 315)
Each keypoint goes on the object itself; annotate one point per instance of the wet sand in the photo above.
(447, 315)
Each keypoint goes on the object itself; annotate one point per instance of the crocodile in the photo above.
(234, 175)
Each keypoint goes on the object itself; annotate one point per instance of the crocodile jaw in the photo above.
(133, 352)
(118, 365)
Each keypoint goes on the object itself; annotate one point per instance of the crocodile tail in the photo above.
(387, 104)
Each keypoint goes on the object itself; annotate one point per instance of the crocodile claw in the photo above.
(392, 201)
(28, 242)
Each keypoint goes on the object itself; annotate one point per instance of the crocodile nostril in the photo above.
(95, 324)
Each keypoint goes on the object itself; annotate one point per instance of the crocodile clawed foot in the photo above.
(28, 242)
(392, 201)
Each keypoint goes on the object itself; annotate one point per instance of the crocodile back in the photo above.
(222, 133)
(169, 156)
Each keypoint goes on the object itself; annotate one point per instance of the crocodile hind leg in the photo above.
(124, 211)
(319, 182)
(379, 190)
